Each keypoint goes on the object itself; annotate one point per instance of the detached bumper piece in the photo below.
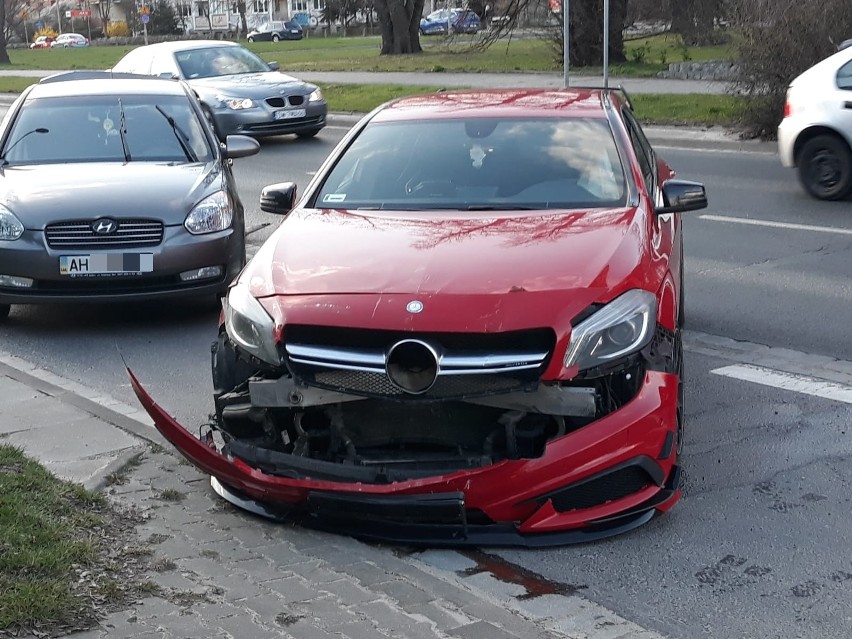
(434, 520)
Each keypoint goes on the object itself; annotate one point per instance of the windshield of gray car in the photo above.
(89, 129)
(478, 164)
(215, 61)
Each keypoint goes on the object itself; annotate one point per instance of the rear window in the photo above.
(88, 129)
(478, 164)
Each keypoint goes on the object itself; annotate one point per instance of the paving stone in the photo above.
(367, 573)
(174, 580)
(244, 627)
(178, 547)
(240, 590)
(388, 617)
(260, 570)
(327, 611)
(154, 608)
(403, 592)
(250, 537)
(267, 606)
(349, 593)
(307, 629)
(292, 589)
(316, 572)
(483, 630)
(204, 533)
(282, 554)
(442, 614)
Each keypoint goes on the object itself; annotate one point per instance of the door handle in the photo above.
(847, 105)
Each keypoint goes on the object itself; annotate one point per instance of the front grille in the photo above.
(471, 364)
(78, 234)
(283, 101)
(283, 125)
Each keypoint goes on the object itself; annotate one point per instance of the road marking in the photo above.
(777, 225)
(788, 381)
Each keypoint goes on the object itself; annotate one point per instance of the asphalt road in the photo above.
(759, 545)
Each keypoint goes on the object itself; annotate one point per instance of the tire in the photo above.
(825, 167)
(681, 305)
(4, 311)
(307, 134)
(251, 39)
(209, 115)
(275, 37)
(681, 392)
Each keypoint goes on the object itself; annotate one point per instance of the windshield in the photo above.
(89, 129)
(215, 61)
(478, 164)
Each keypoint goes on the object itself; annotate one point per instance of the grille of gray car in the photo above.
(292, 100)
(79, 234)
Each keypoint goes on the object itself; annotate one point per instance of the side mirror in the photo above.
(240, 146)
(274, 66)
(168, 75)
(278, 198)
(681, 195)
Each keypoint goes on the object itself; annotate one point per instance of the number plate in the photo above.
(106, 264)
(289, 115)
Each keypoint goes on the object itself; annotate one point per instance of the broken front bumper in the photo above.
(603, 479)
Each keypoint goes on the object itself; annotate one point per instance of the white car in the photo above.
(70, 40)
(815, 135)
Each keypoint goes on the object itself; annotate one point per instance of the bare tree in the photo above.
(695, 21)
(400, 21)
(4, 55)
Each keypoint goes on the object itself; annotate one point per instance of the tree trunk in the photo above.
(400, 21)
(4, 55)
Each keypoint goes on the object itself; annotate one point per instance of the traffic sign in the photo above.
(39, 24)
(145, 18)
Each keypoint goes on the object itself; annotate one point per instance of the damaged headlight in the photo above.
(249, 325)
(623, 326)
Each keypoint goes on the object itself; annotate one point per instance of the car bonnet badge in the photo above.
(414, 306)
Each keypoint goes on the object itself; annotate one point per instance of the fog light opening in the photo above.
(205, 273)
(16, 282)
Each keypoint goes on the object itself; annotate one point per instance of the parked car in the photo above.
(275, 31)
(42, 42)
(486, 345)
(239, 92)
(67, 40)
(815, 135)
(459, 20)
(114, 189)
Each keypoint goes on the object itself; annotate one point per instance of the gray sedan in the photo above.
(240, 93)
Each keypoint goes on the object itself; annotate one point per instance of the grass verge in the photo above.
(64, 552)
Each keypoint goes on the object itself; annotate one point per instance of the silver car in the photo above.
(815, 135)
(239, 92)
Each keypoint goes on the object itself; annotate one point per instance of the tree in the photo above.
(400, 23)
(695, 21)
(163, 20)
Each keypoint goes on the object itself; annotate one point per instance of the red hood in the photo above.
(330, 252)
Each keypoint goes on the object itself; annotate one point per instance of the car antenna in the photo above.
(41, 129)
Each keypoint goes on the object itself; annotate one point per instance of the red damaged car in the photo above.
(467, 330)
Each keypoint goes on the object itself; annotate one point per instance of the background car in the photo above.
(115, 189)
(239, 92)
(42, 42)
(67, 40)
(487, 349)
(815, 135)
(459, 20)
(275, 31)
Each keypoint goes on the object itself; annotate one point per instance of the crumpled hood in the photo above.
(91, 190)
(329, 252)
(253, 85)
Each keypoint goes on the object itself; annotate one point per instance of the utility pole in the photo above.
(566, 38)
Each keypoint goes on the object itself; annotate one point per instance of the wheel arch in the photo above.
(814, 131)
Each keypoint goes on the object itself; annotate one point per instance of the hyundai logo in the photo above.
(414, 306)
(104, 226)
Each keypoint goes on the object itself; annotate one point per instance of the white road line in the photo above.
(788, 381)
(777, 225)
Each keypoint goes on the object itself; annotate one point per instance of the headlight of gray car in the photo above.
(237, 104)
(213, 213)
(623, 326)
(249, 325)
(316, 96)
(10, 226)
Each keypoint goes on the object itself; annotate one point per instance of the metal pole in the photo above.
(606, 44)
(58, 18)
(566, 28)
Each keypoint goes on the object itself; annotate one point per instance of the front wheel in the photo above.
(307, 134)
(208, 114)
(4, 311)
(251, 39)
(275, 37)
(825, 167)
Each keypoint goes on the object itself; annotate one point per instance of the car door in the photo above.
(843, 95)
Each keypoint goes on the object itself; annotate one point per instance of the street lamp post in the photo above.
(58, 18)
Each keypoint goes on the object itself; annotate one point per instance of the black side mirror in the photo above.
(278, 198)
(274, 66)
(681, 195)
(240, 146)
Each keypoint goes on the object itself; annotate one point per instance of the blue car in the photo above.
(441, 22)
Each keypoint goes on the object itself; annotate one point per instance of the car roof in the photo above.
(83, 83)
(513, 103)
(186, 45)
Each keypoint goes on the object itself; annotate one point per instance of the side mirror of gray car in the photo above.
(278, 198)
(681, 195)
(240, 146)
(274, 66)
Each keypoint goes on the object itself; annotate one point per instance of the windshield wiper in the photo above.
(502, 207)
(122, 131)
(180, 135)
